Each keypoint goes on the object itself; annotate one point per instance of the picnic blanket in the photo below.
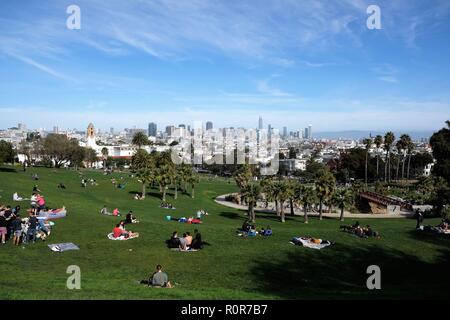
(111, 237)
(60, 247)
(173, 208)
(306, 242)
(54, 214)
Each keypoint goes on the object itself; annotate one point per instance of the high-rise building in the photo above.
(182, 126)
(152, 129)
(170, 130)
(209, 125)
(111, 130)
(55, 129)
(310, 132)
(306, 134)
(260, 123)
(285, 132)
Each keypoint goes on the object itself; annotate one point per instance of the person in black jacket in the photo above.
(197, 242)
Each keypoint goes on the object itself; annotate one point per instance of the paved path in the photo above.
(221, 200)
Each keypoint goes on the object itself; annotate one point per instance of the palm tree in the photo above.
(283, 195)
(164, 178)
(144, 167)
(343, 198)
(251, 193)
(410, 148)
(192, 180)
(291, 193)
(406, 144)
(105, 156)
(389, 139)
(400, 151)
(307, 197)
(324, 187)
(139, 139)
(368, 143)
(378, 142)
(243, 176)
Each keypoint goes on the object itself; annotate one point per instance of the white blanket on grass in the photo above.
(111, 237)
(306, 242)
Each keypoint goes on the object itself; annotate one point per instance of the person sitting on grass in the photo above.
(246, 226)
(130, 218)
(189, 239)
(158, 279)
(137, 196)
(61, 186)
(197, 242)
(174, 241)
(266, 232)
(3, 230)
(116, 212)
(183, 246)
(16, 197)
(120, 231)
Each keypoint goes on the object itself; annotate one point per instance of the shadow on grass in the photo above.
(4, 169)
(437, 239)
(339, 272)
(231, 215)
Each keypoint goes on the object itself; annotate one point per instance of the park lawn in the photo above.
(412, 265)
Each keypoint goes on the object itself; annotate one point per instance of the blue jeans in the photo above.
(31, 235)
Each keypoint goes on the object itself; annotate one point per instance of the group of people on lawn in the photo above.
(28, 229)
(249, 230)
(361, 231)
(186, 242)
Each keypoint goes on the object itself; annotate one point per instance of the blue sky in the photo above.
(294, 62)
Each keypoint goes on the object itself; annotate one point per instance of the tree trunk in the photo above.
(249, 211)
(342, 214)
(407, 170)
(193, 192)
(291, 202)
(367, 154)
(398, 167)
(276, 208)
(305, 208)
(164, 193)
(403, 167)
(143, 190)
(385, 167)
(320, 209)
(176, 192)
(282, 215)
(378, 160)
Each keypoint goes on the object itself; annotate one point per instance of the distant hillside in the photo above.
(357, 134)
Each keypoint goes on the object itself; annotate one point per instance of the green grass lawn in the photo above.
(412, 265)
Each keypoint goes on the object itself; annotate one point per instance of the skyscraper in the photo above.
(310, 132)
(152, 129)
(306, 134)
(209, 125)
(285, 132)
(182, 126)
(260, 123)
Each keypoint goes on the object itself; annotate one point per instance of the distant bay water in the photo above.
(356, 134)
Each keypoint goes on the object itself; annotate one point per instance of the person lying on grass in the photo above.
(362, 232)
(158, 279)
(104, 210)
(166, 205)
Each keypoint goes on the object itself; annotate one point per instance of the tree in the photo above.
(440, 143)
(90, 156)
(409, 148)
(7, 153)
(282, 194)
(307, 197)
(343, 198)
(193, 179)
(143, 165)
(400, 152)
(139, 139)
(368, 143)
(378, 142)
(251, 193)
(105, 153)
(324, 186)
(389, 139)
(58, 148)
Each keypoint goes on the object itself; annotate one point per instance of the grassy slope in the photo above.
(231, 268)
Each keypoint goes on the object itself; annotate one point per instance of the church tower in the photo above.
(90, 132)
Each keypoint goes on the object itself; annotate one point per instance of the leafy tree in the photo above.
(440, 143)
(143, 165)
(307, 197)
(90, 155)
(105, 153)
(7, 152)
(58, 148)
(368, 143)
